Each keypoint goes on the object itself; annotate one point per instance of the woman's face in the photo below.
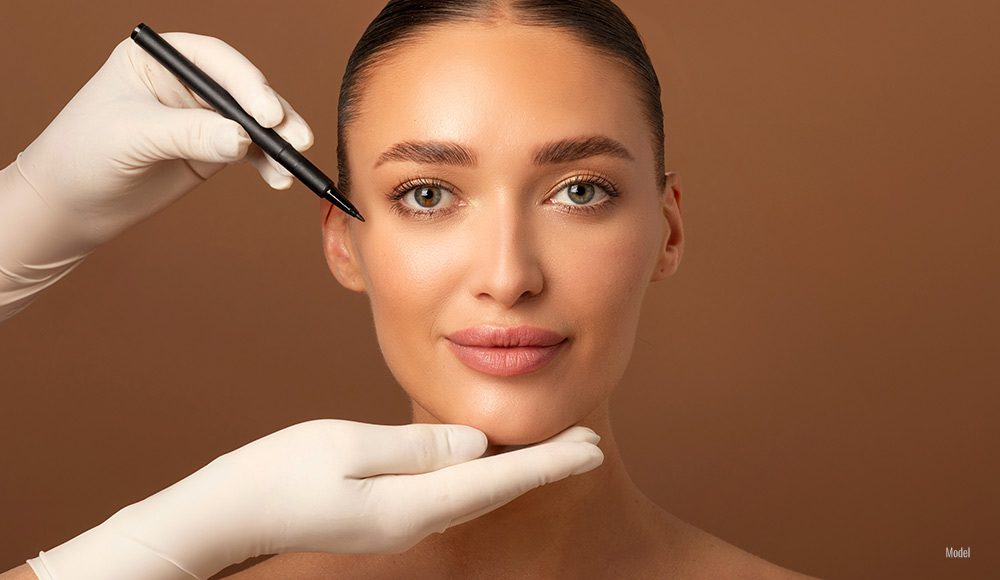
(511, 240)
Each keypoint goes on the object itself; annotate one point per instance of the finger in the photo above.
(296, 131)
(573, 433)
(593, 464)
(273, 174)
(577, 433)
(461, 492)
(294, 128)
(468, 518)
(196, 134)
(412, 448)
(234, 72)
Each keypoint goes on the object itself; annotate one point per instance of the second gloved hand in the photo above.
(326, 485)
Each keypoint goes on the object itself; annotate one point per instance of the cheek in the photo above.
(408, 282)
(406, 271)
(603, 285)
(606, 278)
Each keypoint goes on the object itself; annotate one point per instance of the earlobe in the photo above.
(339, 250)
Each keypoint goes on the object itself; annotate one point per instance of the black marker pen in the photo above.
(224, 104)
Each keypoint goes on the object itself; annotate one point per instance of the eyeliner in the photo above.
(224, 104)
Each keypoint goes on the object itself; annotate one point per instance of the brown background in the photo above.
(817, 384)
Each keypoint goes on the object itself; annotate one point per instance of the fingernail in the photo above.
(593, 437)
(281, 169)
(303, 139)
(471, 441)
(596, 458)
(269, 112)
(228, 144)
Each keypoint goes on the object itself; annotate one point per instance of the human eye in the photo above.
(582, 188)
(427, 195)
(421, 197)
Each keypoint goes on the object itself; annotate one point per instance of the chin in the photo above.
(503, 429)
(509, 415)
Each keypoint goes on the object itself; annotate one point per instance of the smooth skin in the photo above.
(507, 247)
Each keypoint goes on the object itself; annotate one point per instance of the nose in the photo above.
(506, 260)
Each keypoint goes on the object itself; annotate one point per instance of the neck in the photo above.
(579, 521)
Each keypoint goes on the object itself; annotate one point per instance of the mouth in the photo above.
(506, 352)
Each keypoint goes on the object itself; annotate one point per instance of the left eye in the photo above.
(581, 192)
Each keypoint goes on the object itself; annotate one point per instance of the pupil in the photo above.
(426, 194)
(579, 189)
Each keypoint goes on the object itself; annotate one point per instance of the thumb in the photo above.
(195, 134)
(459, 493)
(413, 448)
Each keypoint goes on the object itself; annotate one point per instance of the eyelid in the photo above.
(408, 184)
(588, 176)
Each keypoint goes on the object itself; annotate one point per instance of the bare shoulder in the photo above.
(706, 556)
(300, 566)
(22, 572)
(676, 550)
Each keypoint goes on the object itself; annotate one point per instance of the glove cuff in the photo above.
(106, 553)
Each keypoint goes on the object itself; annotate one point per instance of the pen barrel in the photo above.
(269, 141)
(219, 99)
(200, 83)
(303, 169)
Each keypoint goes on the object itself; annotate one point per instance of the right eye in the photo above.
(425, 195)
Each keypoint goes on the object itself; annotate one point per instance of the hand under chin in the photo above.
(498, 449)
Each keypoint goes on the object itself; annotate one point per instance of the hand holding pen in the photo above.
(131, 142)
(267, 139)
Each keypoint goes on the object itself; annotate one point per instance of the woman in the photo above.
(508, 158)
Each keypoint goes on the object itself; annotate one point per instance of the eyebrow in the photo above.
(453, 153)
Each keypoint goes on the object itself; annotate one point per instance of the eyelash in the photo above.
(409, 185)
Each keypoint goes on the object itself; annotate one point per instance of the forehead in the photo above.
(498, 88)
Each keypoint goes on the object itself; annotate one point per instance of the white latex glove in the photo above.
(326, 485)
(133, 140)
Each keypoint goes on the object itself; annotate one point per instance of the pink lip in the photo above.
(503, 351)
(506, 336)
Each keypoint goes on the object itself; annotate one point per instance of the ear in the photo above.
(672, 244)
(339, 248)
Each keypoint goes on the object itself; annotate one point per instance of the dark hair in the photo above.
(598, 24)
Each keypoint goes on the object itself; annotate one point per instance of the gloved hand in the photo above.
(326, 485)
(133, 140)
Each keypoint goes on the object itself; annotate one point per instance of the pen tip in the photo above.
(338, 199)
(354, 212)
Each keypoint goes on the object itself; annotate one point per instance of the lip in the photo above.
(506, 351)
(493, 336)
